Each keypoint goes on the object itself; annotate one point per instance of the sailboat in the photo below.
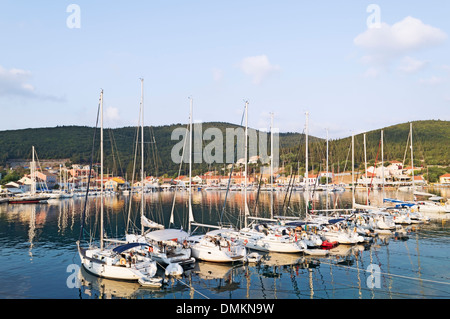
(216, 245)
(266, 235)
(165, 246)
(433, 204)
(127, 261)
(31, 197)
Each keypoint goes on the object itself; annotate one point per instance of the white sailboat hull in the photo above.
(203, 249)
(100, 264)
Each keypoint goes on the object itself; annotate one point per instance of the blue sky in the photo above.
(286, 57)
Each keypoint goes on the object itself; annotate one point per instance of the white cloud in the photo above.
(432, 81)
(112, 114)
(407, 35)
(372, 72)
(217, 74)
(388, 43)
(15, 82)
(411, 65)
(258, 67)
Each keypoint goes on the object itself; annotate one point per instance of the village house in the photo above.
(47, 178)
(444, 179)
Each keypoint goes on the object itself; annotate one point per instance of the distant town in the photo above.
(53, 175)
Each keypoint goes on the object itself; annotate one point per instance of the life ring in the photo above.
(123, 262)
(245, 242)
(150, 249)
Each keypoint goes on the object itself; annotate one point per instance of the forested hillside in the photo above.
(431, 140)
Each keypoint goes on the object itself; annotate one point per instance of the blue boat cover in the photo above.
(122, 248)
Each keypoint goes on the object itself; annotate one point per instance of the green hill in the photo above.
(431, 147)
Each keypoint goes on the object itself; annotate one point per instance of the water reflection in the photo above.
(47, 233)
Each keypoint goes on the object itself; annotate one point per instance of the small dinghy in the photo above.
(153, 282)
(174, 269)
(254, 257)
(316, 252)
(328, 244)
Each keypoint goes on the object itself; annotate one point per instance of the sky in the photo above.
(355, 66)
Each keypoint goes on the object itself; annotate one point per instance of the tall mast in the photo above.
(142, 153)
(271, 165)
(101, 170)
(365, 167)
(191, 215)
(306, 164)
(382, 161)
(33, 172)
(245, 164)
(412, 159)
(353, 171)
(327, 171)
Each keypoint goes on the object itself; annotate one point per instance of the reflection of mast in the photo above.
(32, 230)
(418, 262)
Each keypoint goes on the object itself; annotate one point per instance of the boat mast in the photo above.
(245, 165)
(191, 215)
(306, 163)
(382, 161)
(353, 171)
(412, 162)
(271, 165)
(33, 172)
(327, 172)
(365, 167)
(142, 154)
(101, 171)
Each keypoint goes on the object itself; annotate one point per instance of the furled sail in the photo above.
(150, 224)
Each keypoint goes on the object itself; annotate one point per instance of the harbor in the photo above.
(39, 248)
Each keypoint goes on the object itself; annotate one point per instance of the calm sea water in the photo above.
(39, 260)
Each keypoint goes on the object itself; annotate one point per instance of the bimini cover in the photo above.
(336, 220)
(167, 234)
(120, 249)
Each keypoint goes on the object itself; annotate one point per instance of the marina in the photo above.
(114, 190)
(39, 256)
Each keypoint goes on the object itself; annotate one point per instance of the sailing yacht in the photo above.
(165, 246)
(123, 262)
(267, 234)
(32, 196)
(215, 245)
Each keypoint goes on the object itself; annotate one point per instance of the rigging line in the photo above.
(371, 180)
(182, 282)
(133, 173)
(391, 275)
(179, 172)
(229, 179)
(89, 176)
